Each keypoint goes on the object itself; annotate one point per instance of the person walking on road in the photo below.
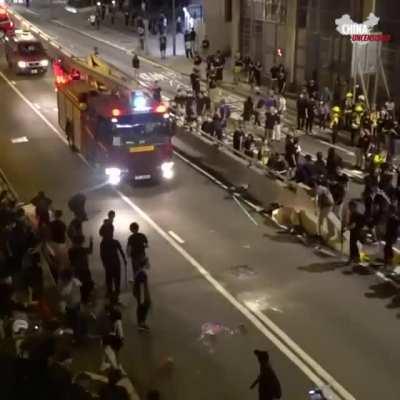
(163, 46)
(355, 225)
(188, 45)
(269, 387)
(193, 40)
(135, 64)
(157, 92)
(142, 295)
(141, 33)
(107, 229)
(77, 206)
(110, 250)
(79, 261)
(301, 111)
(136, 248)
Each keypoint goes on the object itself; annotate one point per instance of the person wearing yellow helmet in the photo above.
(335, 121)
(356, 122)
(347, 110)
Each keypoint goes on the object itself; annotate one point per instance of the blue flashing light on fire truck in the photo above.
(113, 121)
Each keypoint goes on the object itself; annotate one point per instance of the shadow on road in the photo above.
(322, 267)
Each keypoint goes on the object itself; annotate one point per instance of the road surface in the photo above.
(225, 270)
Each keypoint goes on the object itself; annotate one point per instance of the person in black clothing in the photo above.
(142, 295)
(136, 248)
(110, 249)
(135, 63)
(79, 260)
(74, 229)
(107, 229)
(269, 387)
(60, 377)
(310, 115)
(195, 81)
(391, 234)
(274, 76)
(301, 111)
(58, 229)
(319, 165)
(248, 109)
(238, 137)
(112, 391)
(42, 208)
(338, 185)
(188, 44)
(219, 63)
(197, 60)
(157, 92)
(77, 205)
(355, 225)
(333, 161)
(163, 46)
(205, 45)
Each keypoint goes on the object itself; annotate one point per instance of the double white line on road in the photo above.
(315, 372)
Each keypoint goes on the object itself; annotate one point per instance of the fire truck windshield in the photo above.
(30, 48)
(133, 131)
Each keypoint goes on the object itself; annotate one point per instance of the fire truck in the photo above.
(113, 121)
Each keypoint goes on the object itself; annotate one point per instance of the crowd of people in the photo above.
(35, 329)
(370, 128)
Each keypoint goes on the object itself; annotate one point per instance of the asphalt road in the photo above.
(345, 321)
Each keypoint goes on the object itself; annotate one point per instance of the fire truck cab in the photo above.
(124, 131)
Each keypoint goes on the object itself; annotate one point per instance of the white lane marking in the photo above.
(29, 11)
(40, 115)
(176, 237)
(197, 168)
(13, 82)
(316, 373)
(21, 139)
(348, 152)
(37, 105)
(383, 277)
(235, 198)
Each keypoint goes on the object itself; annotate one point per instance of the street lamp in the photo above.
(173, 28)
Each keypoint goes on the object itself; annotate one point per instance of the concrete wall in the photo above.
(219, 31)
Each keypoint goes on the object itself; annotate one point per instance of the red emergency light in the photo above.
(161, 108)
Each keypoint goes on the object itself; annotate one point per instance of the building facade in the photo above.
(301, 34)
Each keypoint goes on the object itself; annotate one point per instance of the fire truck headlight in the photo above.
(44, 63)
(21, 64)
(167, 170)
(114, 175)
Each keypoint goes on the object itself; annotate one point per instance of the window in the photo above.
(228, 10)
(133, 131)
(275, 11)
(33, 48)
